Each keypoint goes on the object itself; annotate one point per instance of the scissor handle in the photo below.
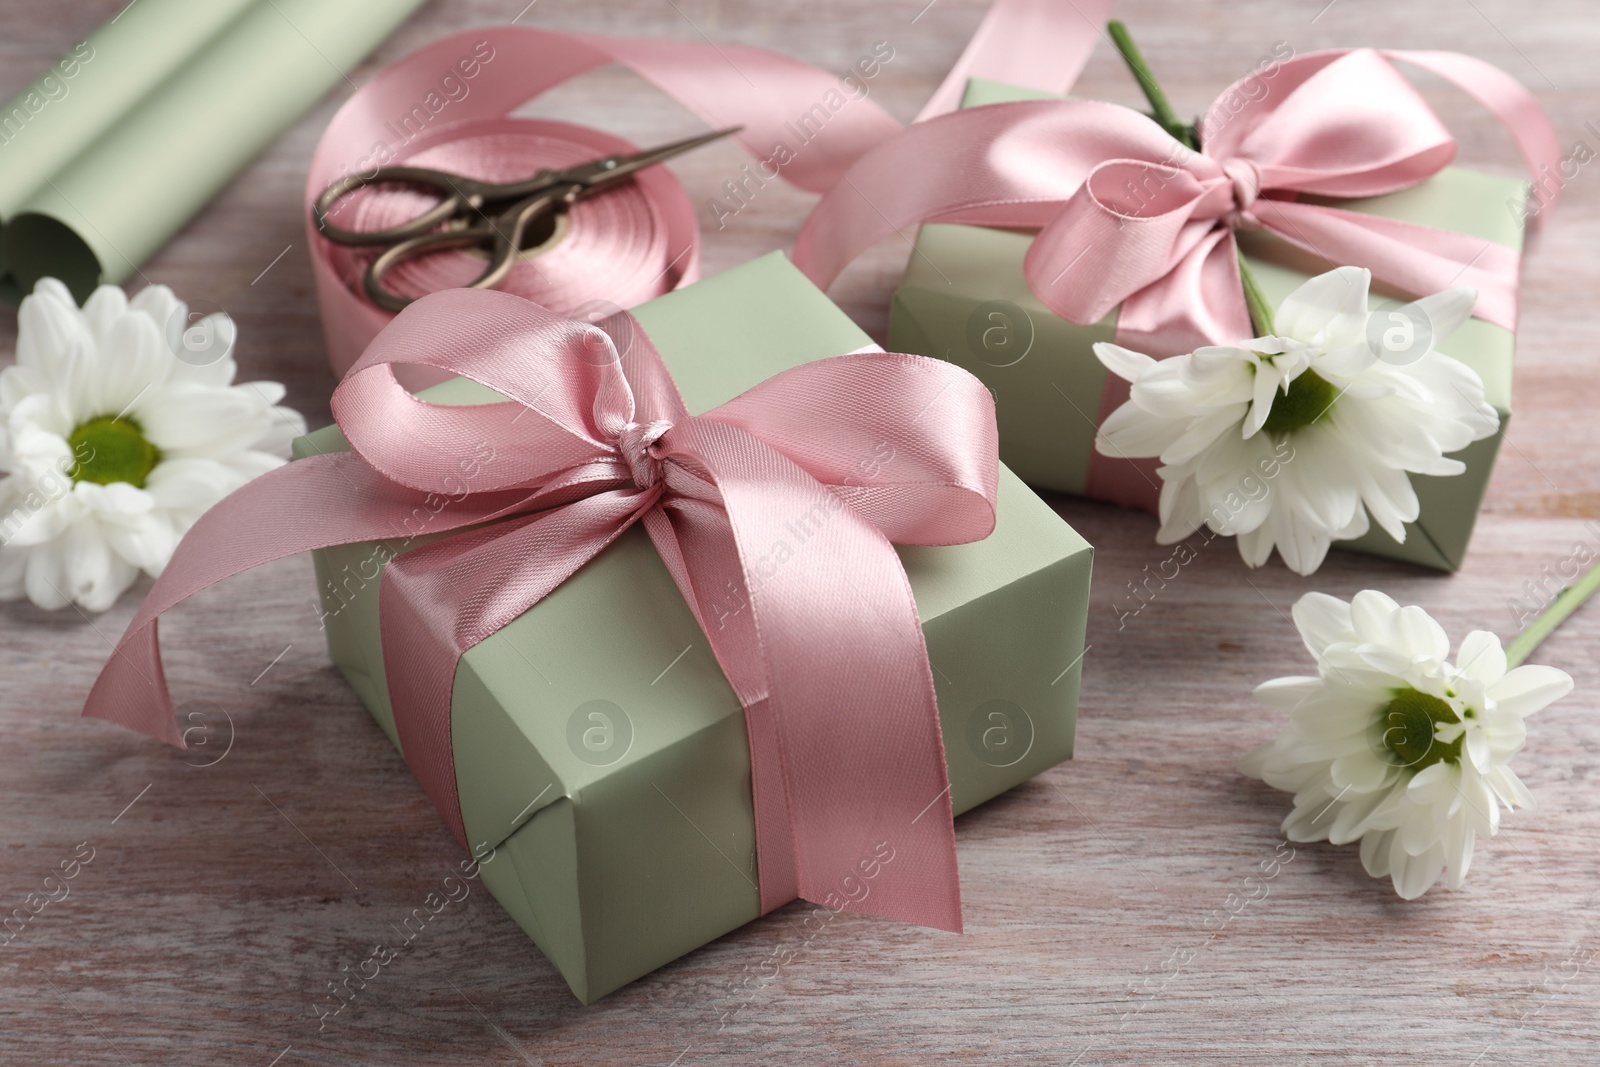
(456, 196)
(502, 234)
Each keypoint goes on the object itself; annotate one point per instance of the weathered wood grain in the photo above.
(221, 899)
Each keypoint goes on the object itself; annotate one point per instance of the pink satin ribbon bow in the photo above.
(1129, 216)
(826, 655)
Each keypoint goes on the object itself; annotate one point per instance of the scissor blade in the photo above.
(602, 173)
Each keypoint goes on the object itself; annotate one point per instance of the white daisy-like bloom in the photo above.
(111, 446)
(1294, 440)
(1395, 746)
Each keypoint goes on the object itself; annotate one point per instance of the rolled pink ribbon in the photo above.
(448, 105)
(631, 245)
(829, 663)
(1129, 216)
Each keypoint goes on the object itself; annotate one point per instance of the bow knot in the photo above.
(637, 444)
(1246, 179)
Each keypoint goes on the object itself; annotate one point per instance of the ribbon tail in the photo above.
(851, 790)
(908, 442)
(439, 600)
(1418, 260)
(1037, 44)
(779, 101)
(1510, 102)
(132, 688)
(312, 503)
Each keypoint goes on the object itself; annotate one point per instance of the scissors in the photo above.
(495, 216)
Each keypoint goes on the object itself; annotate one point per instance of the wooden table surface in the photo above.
(1099, 897)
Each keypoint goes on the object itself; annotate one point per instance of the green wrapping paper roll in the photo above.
(129, 135)
(71, 105)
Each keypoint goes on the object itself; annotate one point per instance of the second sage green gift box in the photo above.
(600, 751)
(964, 298)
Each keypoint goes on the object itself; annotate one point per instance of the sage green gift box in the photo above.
(599, 749)
(964, 298)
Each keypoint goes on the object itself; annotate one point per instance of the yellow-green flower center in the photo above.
(111, 449)
(1308, 399)
(1408, 723)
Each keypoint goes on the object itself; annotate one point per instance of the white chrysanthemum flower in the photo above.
(1393, 744)
(1293, 440)
(112, 447)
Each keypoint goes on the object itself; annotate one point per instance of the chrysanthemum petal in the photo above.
(1125, 363)
(1255, 547)
(1352, 821)
(1446, 311)
(135, 359)
(145, 543)
(1417, 832)
(91, 574)
(1322, 620)
(1361, 772)
(105, 306)
(160, 305)
(1370, 614)
(1375, 847)
(1306, 544)
(1415, 875)
(1310, 821)
(1509, 788)
(1329, 310)
(184, 417)
(1252, 763)
(1130, 433)
(45, 581)
(1418, 634)
(1288, 693)
(1530, 688)
(1179, 509)
(1476, 747)
(1458, 847)
(54, 338)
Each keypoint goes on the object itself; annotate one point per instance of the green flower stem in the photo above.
(1566, 602)
(1261, 314)
(1262, 318)
(1160, 107)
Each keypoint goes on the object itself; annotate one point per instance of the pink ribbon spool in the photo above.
(624, 247)
(611, 251)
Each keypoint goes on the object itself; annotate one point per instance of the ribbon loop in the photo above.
(561, 377)
(899, 474)
(1124, 230)
(1343, 124)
